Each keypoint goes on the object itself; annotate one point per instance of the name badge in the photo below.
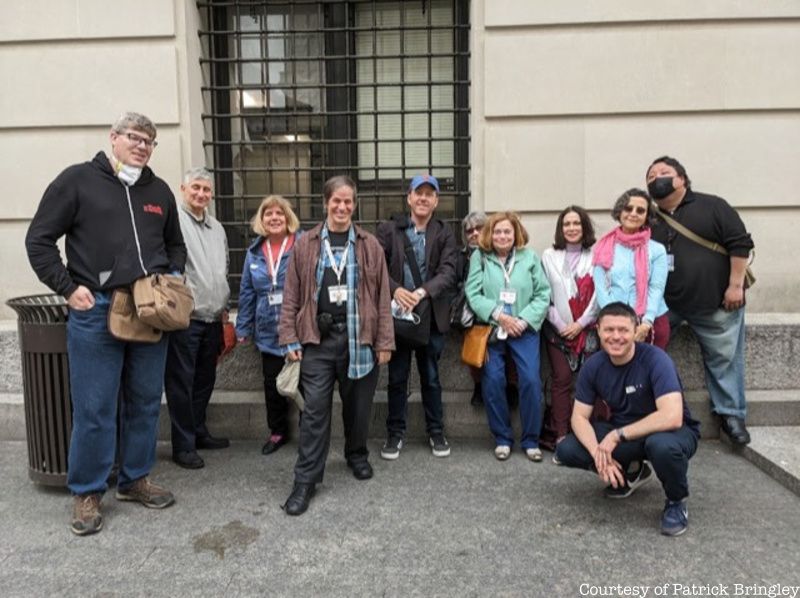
(275, 298)
(508, 296)
(630, 390)
(670, 262)
(337, 294)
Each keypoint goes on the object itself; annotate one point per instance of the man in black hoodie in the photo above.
(120, 223)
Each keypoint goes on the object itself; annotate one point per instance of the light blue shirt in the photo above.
(619, 283)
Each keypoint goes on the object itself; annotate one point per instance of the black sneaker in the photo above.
(476, 400)
(635, 480)
(391, 448)
(439, 445)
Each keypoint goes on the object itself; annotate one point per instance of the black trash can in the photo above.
(42, 327)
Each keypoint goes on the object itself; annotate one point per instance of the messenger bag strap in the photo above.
(412, 261)
(677, 226)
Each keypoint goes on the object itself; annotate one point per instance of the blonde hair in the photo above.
(292, 223)
(520, 234)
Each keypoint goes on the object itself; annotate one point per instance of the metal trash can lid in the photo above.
(40, 309)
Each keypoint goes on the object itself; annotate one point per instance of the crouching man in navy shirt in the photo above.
(651, 428)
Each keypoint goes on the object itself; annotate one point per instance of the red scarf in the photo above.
(604, 257)
(578, 305)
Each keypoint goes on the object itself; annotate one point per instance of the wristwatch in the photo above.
(420, 292)
(621, 435)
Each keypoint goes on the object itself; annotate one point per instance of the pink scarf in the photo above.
(604, 257)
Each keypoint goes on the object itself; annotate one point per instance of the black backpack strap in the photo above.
(412, 261)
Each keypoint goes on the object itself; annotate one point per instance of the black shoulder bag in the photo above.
(416, 332)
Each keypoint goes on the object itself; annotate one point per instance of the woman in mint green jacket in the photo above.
(507, 288)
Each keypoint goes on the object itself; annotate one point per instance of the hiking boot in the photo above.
(391, 448)
(635, 481)
(439, 445)
(86, 517)
(675, 519)
(147, 493)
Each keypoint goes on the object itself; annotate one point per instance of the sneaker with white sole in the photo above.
(439, 445)
(635, 481)
(534, 454)
(675, 519)
(391, 448)
(502, 452)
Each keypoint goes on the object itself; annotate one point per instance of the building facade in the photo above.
(513, 104)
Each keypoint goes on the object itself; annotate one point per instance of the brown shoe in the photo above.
(146, 492)
(86, 517)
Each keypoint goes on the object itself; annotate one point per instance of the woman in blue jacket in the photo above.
(631, 268)
(260, 299)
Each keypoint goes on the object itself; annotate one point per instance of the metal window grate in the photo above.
(298, 91)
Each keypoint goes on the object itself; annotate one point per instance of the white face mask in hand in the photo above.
(127, 174)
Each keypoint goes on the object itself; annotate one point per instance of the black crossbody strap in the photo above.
(412, 261)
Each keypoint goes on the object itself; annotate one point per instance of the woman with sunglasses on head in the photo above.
(632, 268)
(569, 327)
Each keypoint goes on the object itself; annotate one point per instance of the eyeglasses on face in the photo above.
(638, 209)
(473, 229)
(137, 140)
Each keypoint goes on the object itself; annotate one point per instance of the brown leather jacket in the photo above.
(298, 322)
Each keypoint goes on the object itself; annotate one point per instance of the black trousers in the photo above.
(668, 453)
(189, 379)
(323, 365)
(277, 404)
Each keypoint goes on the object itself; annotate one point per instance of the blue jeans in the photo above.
(524, 350)
(668, 452)
(721, 337)
(430, 387)
(99, 367)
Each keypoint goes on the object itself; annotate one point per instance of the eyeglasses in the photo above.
(137, 140)
(638, 209)
(473, 229)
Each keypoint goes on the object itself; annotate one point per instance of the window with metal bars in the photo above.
(297, 91)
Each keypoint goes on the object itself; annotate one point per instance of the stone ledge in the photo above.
(242, 415)
(773, 359)
(775, 451)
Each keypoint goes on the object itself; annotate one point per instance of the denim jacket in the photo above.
(257, 319)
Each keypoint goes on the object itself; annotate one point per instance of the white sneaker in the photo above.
(502, 452)
(534, 454)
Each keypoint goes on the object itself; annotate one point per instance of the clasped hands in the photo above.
(608, 469)
(515, 327)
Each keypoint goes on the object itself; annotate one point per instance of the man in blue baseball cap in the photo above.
(430, 279)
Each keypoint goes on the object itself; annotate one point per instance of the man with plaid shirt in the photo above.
(336, 318)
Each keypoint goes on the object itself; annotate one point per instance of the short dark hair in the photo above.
(623, 200)
(333, 183)
(618, 308)
(586, 224)
(669, 161)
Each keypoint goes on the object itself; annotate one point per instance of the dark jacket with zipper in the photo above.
(441, 255)
(89, 205)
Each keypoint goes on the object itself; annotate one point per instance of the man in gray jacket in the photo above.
(192, 355)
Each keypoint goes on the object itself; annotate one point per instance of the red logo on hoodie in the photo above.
(153, 209)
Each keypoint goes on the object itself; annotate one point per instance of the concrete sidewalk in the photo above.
(463, 526)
